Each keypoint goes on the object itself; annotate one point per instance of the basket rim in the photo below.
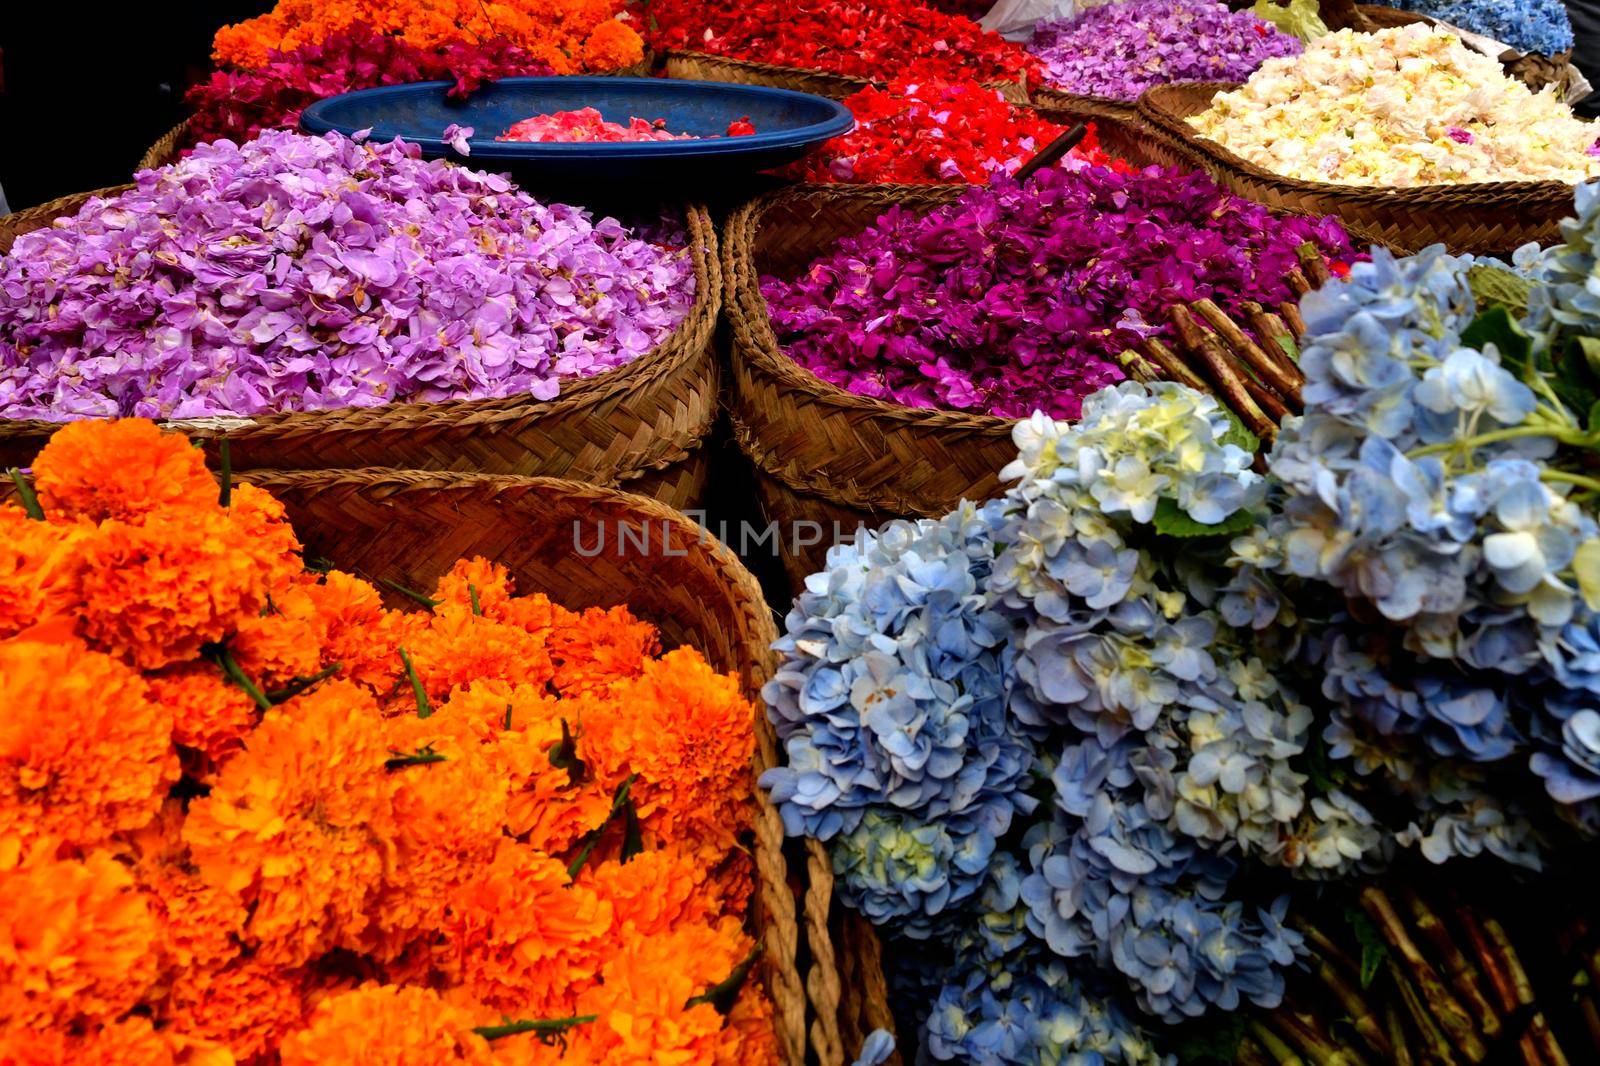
(161, 153)
(1047, 96)
(1166, 106)
(681, 346)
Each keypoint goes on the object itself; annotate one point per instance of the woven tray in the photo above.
(1095, 108)
(700, 66)
(639, 426)
(1487, 218)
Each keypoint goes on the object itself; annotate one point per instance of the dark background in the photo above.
(89, 87)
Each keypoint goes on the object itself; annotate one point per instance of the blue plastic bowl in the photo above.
(788, 125)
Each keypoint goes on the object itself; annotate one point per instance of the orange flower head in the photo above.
(262, 531)
(449, 815)
(123, 470)
(598, 648)
(78, 942)
(84, 751)
(653, 892)
(611, 46)
(132, 1042)
(748, 1037)
(449, 650)
(300, 824)
(521, 938)
(488, 581)
(358, 632)
(644, 987)
(39, 566)
(284, 641)
(200, 923)
(386, 1025)
(154, 593)
(209, 713)
(689, 734)
(247, 1007)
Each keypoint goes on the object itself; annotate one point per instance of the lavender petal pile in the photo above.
(1016, 298)
(1119, 50)
(299, 273)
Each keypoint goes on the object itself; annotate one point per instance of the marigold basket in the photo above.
(829, 461)
(701, 66)
(1487, 218)
(641, 426)
(166, 149)
(410, 527)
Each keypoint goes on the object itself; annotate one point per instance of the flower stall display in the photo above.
(1022, 297)
(251, 815)
(1116, 51)
(1073, 749)
(1398, 108)
(877, 40)
(571, 36)
(301, 273)
(931, 131)
(1540, 26)
(238, 103)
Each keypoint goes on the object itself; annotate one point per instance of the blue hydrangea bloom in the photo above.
(1540, 26)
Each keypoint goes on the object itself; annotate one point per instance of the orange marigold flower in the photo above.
(384, 1025)
(209, 713)
(748, 1038)
(78, 942)
(156, 592)
(611, 46)
(521, 938)
(133, 1042)
(597, 648)
(123, 470)
(358, 633)
(449, 815)
(39, 566)
(84, 751)
(689, 734)
(653, 892)
(262, 531)
(448, 650)
(644, 987)
(283, 642)
(299, 825)
(200, 923)
(247, 1007)
(477, 577)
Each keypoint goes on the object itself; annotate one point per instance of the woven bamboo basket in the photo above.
(701, 66)
(640, 426)
(831, 458)
(1491, 218)
(1093, 108)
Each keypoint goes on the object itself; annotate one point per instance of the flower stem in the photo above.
(1574, 437)
(723, 994)
(547, 1028)
(1355, 1008)
(1592, 484)
(30, 502)
(424, 708)
(1281, 1053)
(1435, 1047)
(411, 594)
(477, 608)
(1452, 1017)
(1457, 968)
(298, 685)
(235, 673)
(619, 802)
(1397, 1035)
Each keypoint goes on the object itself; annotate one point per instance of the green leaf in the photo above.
(1496, 326)
(1172, 522)
(1492, 285)
(1374, 951)
(30, 502)
(563, 753)
(424, 708)
(1577, 375)
(547, 1031)
(1593, 421)
(1238, 434)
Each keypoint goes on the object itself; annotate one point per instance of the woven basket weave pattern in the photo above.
(411, 527)
(642, 420)
(1486, 218)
